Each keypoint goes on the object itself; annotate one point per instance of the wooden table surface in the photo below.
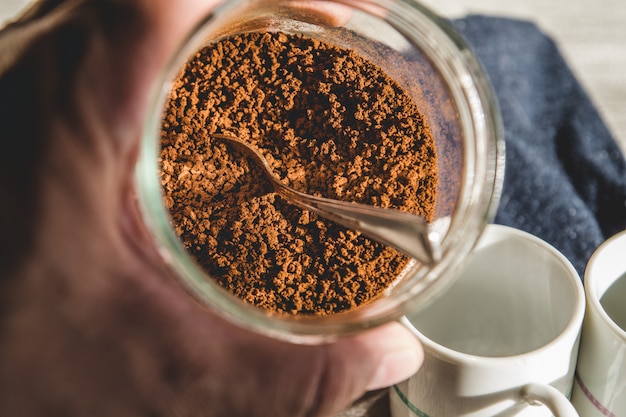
(591, 35)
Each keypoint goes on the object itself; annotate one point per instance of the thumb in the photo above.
(375, 359)
(399, 355)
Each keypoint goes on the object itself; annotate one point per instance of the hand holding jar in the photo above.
(92, 321)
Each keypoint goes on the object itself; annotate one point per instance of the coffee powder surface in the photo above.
(330, 123)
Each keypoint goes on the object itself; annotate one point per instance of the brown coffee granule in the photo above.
(330, 123)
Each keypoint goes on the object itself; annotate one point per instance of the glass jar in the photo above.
(443, 78)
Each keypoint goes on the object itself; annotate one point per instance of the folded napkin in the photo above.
(565, 176)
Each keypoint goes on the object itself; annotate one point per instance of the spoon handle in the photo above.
(408, 233)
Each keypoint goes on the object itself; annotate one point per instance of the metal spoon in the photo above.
(408, 233)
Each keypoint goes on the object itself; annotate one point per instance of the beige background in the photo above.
(590, 33)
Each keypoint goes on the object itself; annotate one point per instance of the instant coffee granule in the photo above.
(330, 123)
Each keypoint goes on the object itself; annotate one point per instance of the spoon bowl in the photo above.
(405, 232)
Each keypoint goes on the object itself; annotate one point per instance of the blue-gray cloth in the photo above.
(565, 176)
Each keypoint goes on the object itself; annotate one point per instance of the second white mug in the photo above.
(600, 388)
(503, 339)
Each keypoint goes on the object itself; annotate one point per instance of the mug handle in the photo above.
(542, 394)
(534, 394)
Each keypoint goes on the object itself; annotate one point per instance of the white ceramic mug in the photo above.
(600, 387)
(503, 339)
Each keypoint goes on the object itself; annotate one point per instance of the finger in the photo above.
(400, 355)
(330, 13)
(293, 380)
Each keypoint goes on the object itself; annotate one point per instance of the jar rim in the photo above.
(483, 169)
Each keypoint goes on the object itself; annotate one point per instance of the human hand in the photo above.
(92, 322)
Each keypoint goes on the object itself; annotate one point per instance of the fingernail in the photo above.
(395, 367)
